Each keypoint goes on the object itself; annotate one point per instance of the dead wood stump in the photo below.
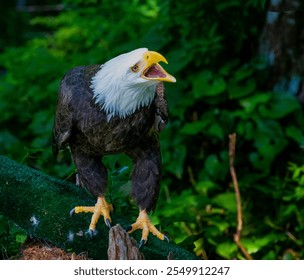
(122, 246)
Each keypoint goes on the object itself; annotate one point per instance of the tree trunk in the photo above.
(282, 45)
(40, 204)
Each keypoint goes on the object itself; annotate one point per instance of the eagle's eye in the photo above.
(135, 68)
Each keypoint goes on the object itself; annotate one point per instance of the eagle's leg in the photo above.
(93, 176)
(143, 222)
(146, 179)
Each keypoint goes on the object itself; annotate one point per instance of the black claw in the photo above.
(167, 238)
(92, 233)
(72, 212)
(128, 228)
(108, 223)
(142, 243)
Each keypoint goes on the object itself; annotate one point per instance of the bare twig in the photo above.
(239, 227)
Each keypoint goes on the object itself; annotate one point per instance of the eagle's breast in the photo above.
(118, 135)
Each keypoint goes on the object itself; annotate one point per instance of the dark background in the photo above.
(239, 69)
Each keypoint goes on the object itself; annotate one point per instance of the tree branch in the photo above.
(40, 204)
(239, 227)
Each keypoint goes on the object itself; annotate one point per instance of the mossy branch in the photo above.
(40, 204)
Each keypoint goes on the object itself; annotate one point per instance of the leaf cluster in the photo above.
(11, 238)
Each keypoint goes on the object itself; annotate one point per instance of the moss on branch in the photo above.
(40, 204)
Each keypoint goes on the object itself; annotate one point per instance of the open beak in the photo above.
(152, 70)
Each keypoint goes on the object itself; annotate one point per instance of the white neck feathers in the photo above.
(120, 99)
(118, 90)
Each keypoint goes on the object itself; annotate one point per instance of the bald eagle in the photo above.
(117, 107)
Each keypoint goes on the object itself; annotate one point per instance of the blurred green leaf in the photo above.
(250, 103)
(281, 105)
(214, 167)
(188, 243)
(226, 200)
(20, 238)
(226, 250)
(254, 245)
(208, 84)
(193, 128)
(203, 187)
(238, 90)
(295, 133)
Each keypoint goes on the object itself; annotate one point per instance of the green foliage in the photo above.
(11, 238)
(220, 89)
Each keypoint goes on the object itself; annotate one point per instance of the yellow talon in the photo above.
(143, 222)
(101, 208)
(84, 209)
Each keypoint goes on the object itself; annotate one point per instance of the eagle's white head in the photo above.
(128, 82)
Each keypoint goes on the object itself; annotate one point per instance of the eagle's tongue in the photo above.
(155, 72)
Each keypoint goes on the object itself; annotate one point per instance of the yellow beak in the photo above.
(152, 70)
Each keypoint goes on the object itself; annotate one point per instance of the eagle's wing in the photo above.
(63, 119)
(75, 97)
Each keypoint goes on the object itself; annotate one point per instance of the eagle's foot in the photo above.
(101, 208)
(143, 222)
